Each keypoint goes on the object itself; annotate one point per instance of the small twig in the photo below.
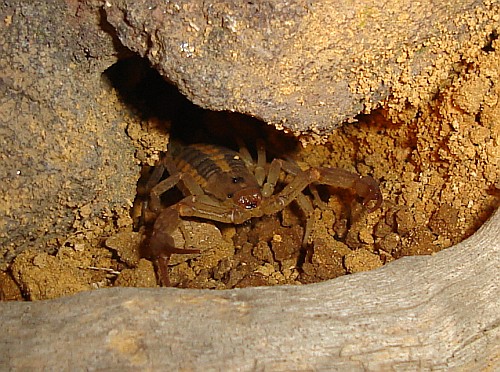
(110, 271)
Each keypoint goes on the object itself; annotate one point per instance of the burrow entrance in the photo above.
(438, 178)
(416, 160)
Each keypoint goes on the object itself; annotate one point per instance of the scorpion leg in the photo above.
(257, 168)
(307, 207)
(245, 154)
(272, 178)
(162, 187)
(316, 198)
(155, 187)
(260, 168)
(303, 202)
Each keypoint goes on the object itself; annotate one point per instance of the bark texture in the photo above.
(423, 313)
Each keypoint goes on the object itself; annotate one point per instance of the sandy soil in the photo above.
(437, 168)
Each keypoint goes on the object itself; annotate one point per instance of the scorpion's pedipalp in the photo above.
(364, 186)
(198, 207)
(161, 243)
(291, 191)
(368, 188)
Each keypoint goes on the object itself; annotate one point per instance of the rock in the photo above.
(301, 65)
(67, 164)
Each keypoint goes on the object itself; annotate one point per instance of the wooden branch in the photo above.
(416, 313)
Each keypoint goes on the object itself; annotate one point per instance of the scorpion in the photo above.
(228, 186)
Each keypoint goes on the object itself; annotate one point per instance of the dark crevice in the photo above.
(489, 44)
(149, 95)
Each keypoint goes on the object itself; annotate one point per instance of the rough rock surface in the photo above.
(304, 65)
(418, 313)
(67, 163)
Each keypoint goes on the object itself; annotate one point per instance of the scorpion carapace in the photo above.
(221, 173)
(227, 186)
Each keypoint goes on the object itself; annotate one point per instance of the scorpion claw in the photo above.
(368, 189)
(161, 243)
(364, 186)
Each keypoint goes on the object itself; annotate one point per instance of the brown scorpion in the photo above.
(227, 186)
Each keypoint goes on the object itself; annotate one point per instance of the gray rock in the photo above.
(303, 65)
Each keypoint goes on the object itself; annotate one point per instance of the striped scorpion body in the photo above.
(227, 186)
